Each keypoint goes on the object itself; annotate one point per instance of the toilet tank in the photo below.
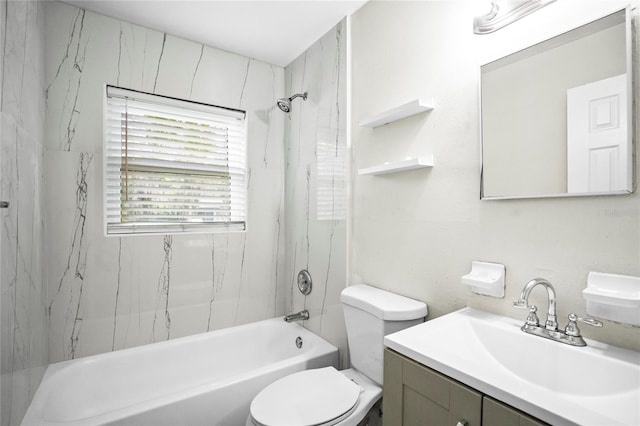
(370, 314)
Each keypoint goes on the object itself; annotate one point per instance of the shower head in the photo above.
(285, 103)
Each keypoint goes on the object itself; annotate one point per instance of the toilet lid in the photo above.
(310, 397)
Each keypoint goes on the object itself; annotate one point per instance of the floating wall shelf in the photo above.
(398, 166)
(398, 113)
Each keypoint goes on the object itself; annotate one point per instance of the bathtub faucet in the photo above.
(298, 316)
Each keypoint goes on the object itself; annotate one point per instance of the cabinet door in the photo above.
(414, 395)
(495, 413)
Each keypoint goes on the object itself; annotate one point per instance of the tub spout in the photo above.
(298, 316)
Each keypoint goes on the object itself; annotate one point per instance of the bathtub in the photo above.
(205, 379)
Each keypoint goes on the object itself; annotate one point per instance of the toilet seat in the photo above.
(316, 397)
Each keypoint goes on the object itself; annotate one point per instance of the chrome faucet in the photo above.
(298, 316)
(523, 302)
(571, 334)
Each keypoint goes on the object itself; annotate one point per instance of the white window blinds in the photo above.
(172, 166)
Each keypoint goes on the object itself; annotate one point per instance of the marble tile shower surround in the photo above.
(316, 171)
(93, 294)
(111, 293)
(23, 323)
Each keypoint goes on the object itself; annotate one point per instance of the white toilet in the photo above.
(326, 396)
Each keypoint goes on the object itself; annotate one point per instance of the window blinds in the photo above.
(172, 165)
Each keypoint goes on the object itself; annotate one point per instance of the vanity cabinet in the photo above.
(415, 395)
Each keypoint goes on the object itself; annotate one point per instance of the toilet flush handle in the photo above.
(462, 422)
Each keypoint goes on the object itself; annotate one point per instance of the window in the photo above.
(172, 166)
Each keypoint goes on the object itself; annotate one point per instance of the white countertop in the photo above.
(560, 384)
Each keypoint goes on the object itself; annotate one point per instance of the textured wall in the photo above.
(316, 175)
(417, 232)
(112, 293)
(23, 323)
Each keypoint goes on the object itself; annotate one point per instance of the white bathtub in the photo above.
(206, 379)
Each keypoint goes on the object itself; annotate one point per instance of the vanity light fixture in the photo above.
(504, 12)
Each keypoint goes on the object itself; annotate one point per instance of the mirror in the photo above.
(556, 117)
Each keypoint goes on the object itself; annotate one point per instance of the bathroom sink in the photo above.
(561, 384)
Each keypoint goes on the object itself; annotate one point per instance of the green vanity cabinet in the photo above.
(415, 395)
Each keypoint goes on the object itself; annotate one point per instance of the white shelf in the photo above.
(398, 113)
(398, 166)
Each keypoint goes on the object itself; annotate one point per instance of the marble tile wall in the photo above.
(111, 293)
(92, 294)
(23, 323)
(315, 183)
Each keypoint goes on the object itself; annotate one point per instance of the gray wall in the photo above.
(416, 233)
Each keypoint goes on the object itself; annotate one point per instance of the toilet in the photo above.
(326, 396)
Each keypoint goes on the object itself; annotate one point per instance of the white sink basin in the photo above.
(560, 384)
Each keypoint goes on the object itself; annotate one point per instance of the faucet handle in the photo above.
(520, 304)
(532, 318)
(572, 327)
(589, 321)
